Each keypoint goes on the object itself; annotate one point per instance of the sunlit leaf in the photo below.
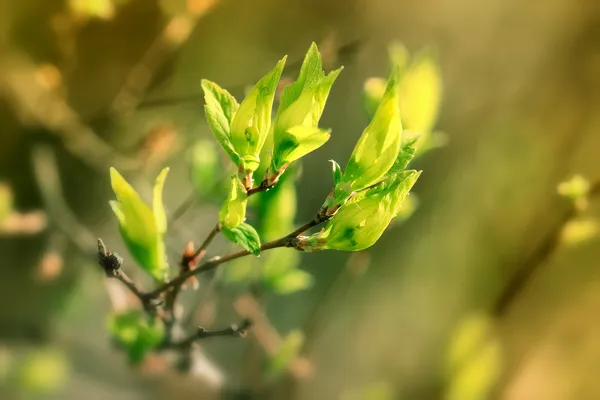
(361, 221)
(220, 108)
(138, 226)
(6, 201)
(579, 230)
(251, 123)
(160, 217)
(244, 235)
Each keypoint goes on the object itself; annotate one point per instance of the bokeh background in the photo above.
(478, 295)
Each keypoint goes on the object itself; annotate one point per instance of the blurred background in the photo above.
(490, 290)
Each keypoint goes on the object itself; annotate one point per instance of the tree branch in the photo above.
(541, 254)
(202, 333)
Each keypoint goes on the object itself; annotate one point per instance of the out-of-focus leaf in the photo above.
(252, 121)
(102, 9)
(579, 230)
(292, 281)
(140, 230)
(43, 371)
(136, 333)
(6, 201)
(244, 235)
(288, 351)
(205, 172)
(577, 187)
(474, 360)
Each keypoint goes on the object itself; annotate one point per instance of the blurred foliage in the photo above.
(288, 351)
(474, 359)
(142, 228)
(6, 201)
(42, 371)
(137, 333)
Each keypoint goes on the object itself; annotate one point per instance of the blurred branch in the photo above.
(38, 104)
(175, 33)
(48, 180)
(531, 264)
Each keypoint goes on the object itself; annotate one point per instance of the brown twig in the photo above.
(286, 241)
(203, 333)
(530, 265)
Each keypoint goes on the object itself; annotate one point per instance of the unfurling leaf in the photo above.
(242, 129)
(360, 222)
(136, 332)
(233, 211)
(251, 123)
(376, 150)
(244, 235)
(295, 128)
(142, 228)
(337, 172)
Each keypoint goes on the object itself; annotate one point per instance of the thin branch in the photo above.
(202, 333)
(199, 254)
(131, 285)
(536, 259)
(286, 241)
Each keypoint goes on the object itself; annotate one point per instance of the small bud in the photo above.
(110, 262)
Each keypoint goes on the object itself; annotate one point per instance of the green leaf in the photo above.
(205, 172)
(576, 188)
(296, 130)
(311, 72)
(134, 331)
(360, 222)
(378, 146)
(373, 91)
(290, 282)
(233, 210)
(157, 202)
(337, 172)
(6, 201)
(252, 121)
(244, 235)
(138, 226)
(286, 353)
(276, 209)
(405, 156)
(420, 93)
(220, 109)
(296, 143)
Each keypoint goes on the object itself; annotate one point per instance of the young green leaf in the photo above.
(244, 235)
(420, 93)
(297, 142)
(139, 229)
(251, 123)
(405, 156)
(157, 202)
(378, 146)
(359, 223)
(220, 108)
(337, 172)
(295, 129)
(136, 333)
(233, 210)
